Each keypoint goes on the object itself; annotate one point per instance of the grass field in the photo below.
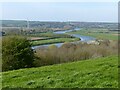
(94, 73)
(97, 33)
(56, 40)
(50, 35)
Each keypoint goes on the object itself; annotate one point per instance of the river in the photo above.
(82, 37)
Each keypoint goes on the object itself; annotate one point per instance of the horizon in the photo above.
(57, 21)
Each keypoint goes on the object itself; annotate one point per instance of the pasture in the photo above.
(92, 73)
(98, 33)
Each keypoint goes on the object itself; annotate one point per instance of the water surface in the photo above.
(82, 38)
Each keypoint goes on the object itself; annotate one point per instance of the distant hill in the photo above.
(49, 24)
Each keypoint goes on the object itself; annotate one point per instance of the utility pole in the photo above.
(28, 26)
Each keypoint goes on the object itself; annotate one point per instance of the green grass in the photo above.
(94, 73)
(52, 41)
(50, 35)
(97, 33)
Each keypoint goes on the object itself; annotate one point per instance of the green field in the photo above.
(97, 33)
(51, 38)
(50, 35)
(52, 41)
(94, 73)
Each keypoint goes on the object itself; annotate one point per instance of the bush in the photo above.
(16, 53)
(70, 52)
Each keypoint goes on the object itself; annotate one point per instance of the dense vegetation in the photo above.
(69, 52)
(93, 73)
(16, 53)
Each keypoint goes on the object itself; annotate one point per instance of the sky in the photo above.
(61, 11)
(59, 0)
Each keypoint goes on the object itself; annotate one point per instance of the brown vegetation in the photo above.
(73, 52)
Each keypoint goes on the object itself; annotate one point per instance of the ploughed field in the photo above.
(92, 73)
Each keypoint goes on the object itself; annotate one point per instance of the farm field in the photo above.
(50, 38)
(51, 41)
(50, 35)
(93, 73)
(97, 33)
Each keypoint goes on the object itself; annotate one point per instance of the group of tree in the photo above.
(16, 53)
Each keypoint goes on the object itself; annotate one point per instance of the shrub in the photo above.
(69, 52)
(16, 53)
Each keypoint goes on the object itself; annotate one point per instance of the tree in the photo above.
(16, 53)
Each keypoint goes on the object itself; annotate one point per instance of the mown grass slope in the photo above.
(93, 73)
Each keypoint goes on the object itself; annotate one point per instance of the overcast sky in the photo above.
(61, 11)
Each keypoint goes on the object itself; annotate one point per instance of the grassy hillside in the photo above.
(95, 73)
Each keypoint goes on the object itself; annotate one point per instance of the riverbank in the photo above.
(60, 41)
(97, 33)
